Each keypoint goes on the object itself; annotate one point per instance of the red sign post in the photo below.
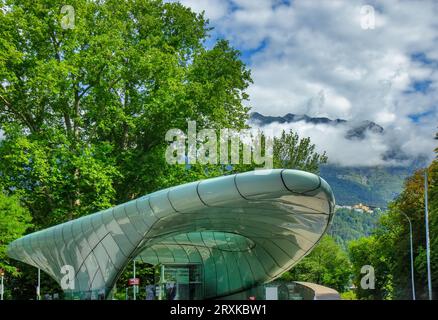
(134, 281)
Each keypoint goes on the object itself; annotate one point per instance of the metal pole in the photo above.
(38, 286)
(412, 256)
(2, 288)
(126, 293)
(135, 286)
(426, 216)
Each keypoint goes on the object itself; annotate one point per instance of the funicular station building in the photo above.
(213, 238)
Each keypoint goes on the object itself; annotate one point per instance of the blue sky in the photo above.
(315, 57)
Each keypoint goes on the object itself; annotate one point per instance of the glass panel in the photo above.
(179, 253)
(113, 250)
(126, 226)
(245, 269)
(218, 191)
(210, 273)
(91, 265)
(160, 204)
(256, 266)
(223, 285)
(235, 279)
(118, 235)
(185, 198)
(137, 219)
(146, 211)
(251, 184)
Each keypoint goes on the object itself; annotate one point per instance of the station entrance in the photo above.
(180, 281)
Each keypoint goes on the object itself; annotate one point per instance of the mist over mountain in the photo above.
(356, 130)
(365, 165)
(350, 143)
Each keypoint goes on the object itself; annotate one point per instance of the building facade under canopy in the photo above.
(212, 238)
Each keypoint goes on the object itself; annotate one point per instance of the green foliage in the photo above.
(349, 224)
(14, 221)
(368, 251)
(348, 295)
(411, 202)
(84, 111)
(56, 180)
(294, 153)
(374, 186)
(388, 250)
(327, 265)
(145, 272)
(420, 259)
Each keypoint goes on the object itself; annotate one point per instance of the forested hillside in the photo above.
(374, 186)
(349, 224)
(387, 250)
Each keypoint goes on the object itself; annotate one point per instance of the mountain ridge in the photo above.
(355, 130)
(374, 186)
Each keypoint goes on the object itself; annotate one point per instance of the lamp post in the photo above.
(426, 217)
(412, 256)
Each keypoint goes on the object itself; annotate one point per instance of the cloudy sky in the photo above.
(324, 58)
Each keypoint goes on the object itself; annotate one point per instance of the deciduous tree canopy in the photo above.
(84, 110)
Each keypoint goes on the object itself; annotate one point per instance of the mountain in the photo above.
(374, 186)
(290, 117)
(355, 130)
(351, 224)
(358, 130)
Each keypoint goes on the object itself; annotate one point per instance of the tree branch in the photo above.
(8, 104)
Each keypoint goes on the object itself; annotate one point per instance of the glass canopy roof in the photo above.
(245, 229)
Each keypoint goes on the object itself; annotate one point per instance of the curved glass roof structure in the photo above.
(245, 229)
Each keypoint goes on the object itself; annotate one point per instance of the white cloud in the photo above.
(315, 58)
(371, 151)
(214, 9)
(332, 139)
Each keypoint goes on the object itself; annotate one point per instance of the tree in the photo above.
(145, 272)
(368, 251)
(350, 224)
(292, 152)
(327, 265)
(85, 110)
(420, 260)
(53, 182)
(388, 249)
(14, 221)
(411, 202)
